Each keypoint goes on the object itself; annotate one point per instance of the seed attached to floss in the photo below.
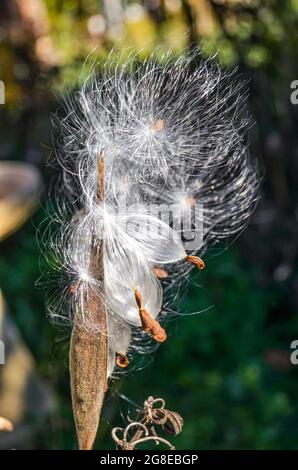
(122, 361)
(158, 125)
(190, 201)
(196, 261)
(157, 332)
(160, 273)
(74, 287)
(149, 324)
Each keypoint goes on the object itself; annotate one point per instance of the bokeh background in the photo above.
(228, 370)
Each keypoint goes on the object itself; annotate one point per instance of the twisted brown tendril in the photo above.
(153, 414)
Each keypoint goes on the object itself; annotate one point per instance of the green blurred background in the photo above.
(227, 370)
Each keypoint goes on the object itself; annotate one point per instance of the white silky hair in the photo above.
(169, 131)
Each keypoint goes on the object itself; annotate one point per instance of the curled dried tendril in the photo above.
(153, 414)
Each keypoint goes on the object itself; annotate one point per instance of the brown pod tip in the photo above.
(196, 261)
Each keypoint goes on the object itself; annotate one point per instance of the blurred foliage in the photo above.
(226, 370)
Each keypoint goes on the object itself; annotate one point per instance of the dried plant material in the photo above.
(124, 443)
(138, 136)
(170, 421)
(144, 428)
(152, 414)
(5, 425)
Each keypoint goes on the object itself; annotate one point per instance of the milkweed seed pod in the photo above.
(151, 152)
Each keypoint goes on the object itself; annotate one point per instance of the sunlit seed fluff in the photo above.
(169, 133)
